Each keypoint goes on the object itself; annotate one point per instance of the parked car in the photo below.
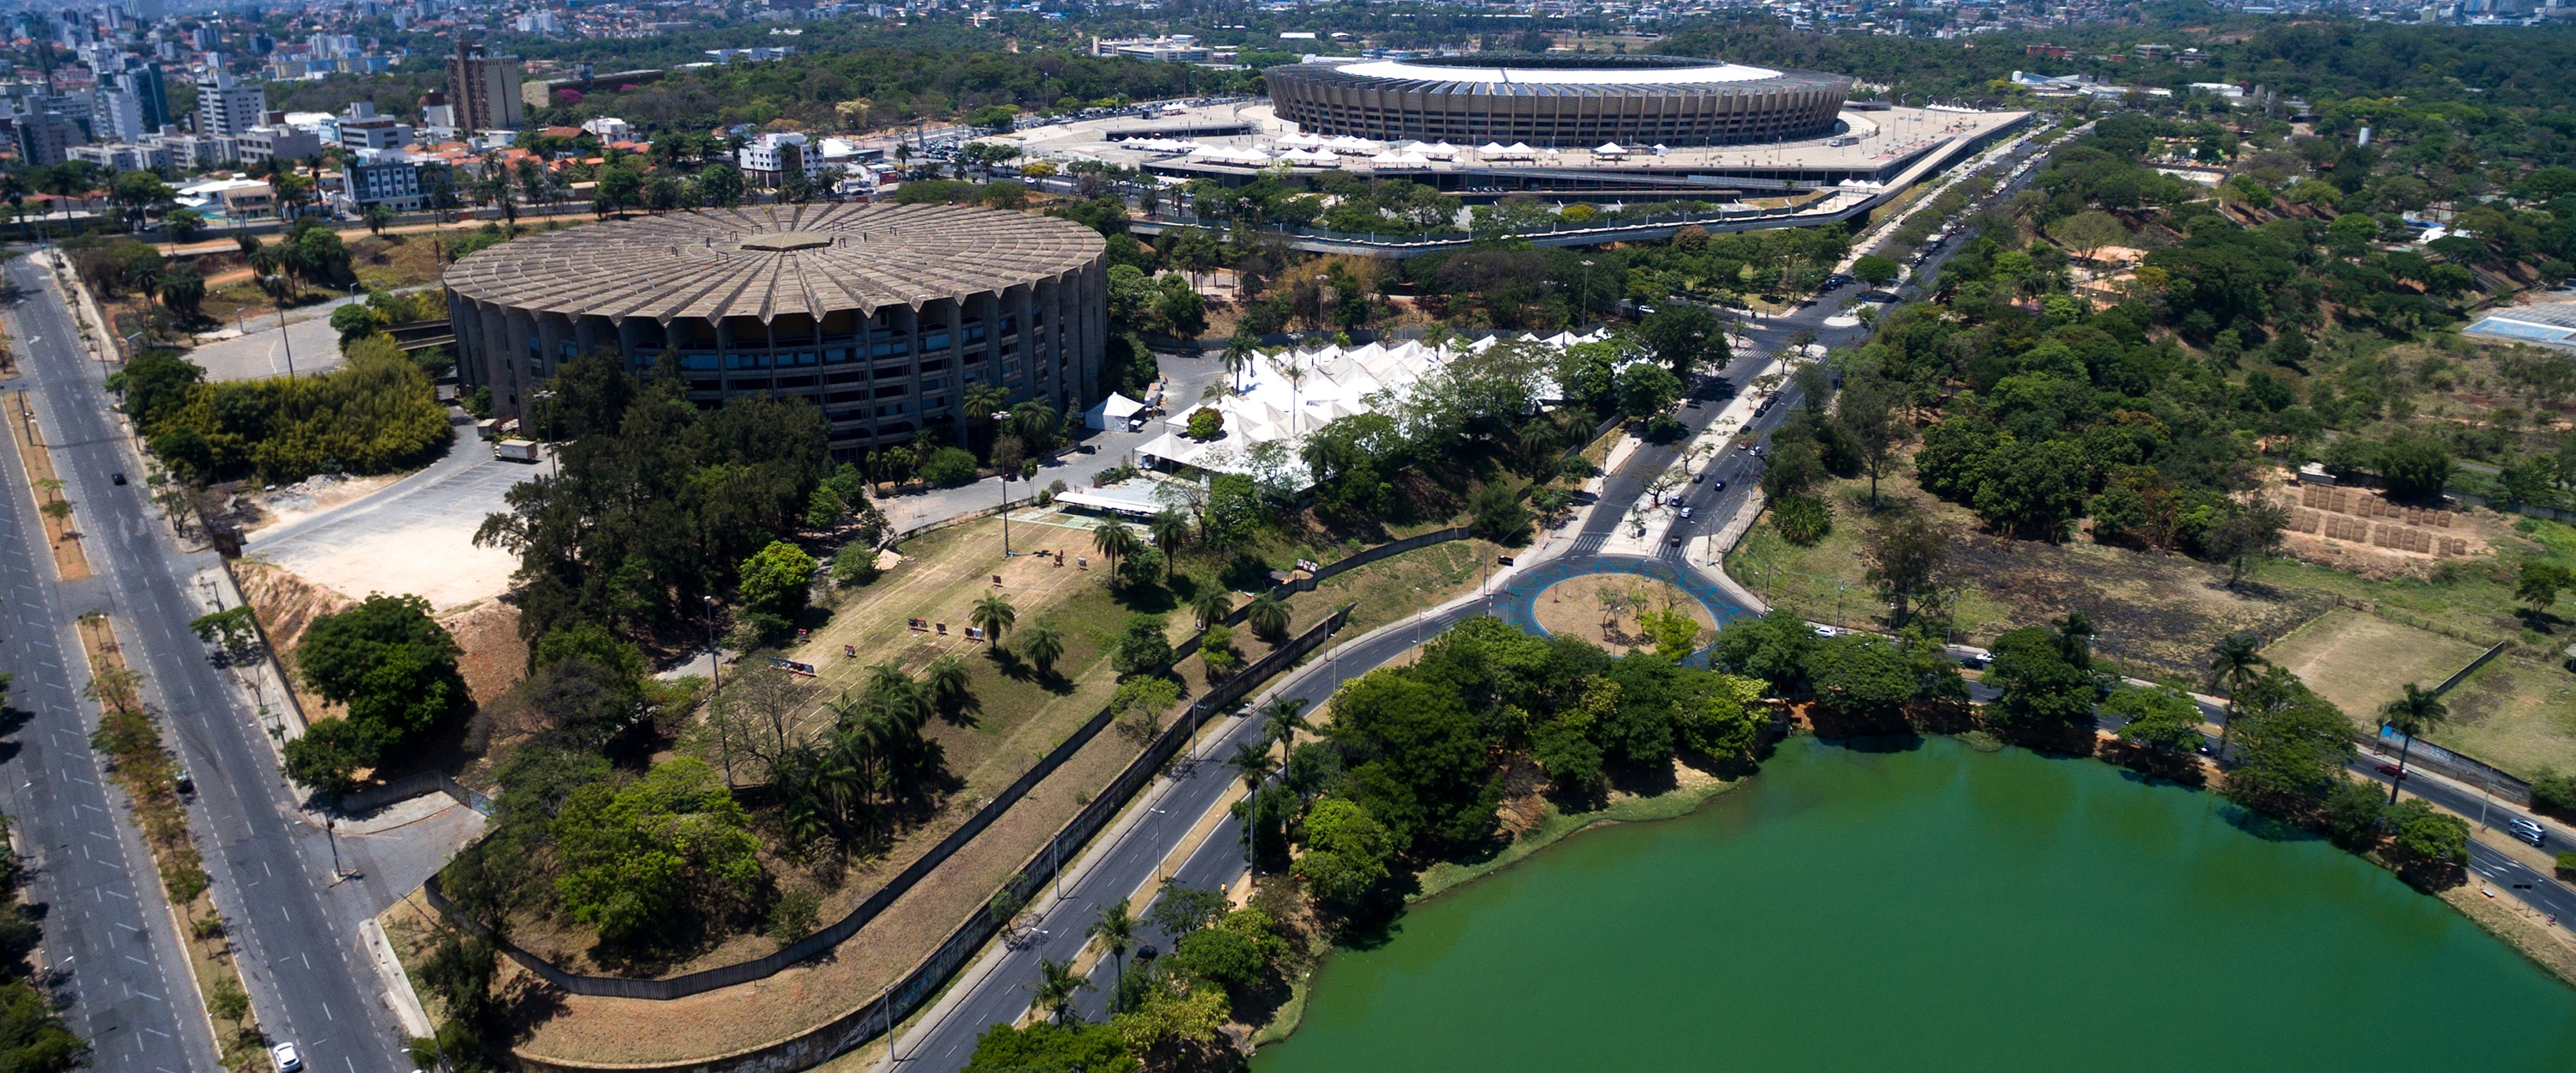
(1698, 477)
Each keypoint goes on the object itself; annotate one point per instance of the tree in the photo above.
(1801, 519)
(1268, 617)
(353, 320)
(1143, 646)
(1056, 986)
(1861, 675)
(949, 467)
(1685, 338)
(1866, 416)
(2414, 467)
(1050, 1047)
(720, 186)
(637, 854)
(390, 662)
(1171, 530)
(1906, 557)
(1646, 391)
(1114, 540)
(2291, 747)
(2164, 718)
(778, 580)
(1212, 605)
(2235, 660)
(2034, 488)
(2411, 714)
(2538, 584)
(2247, 531)
(1042, 645)
(1252, 764)
(1875, 270)
(1347, 854)
(1116, 929)
(2042, 688)
(995, 616)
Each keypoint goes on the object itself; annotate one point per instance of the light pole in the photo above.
(553, 457)
(1000, 416)
(1583, 301)
(715, 656)
(286, 338)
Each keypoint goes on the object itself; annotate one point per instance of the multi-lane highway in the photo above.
(272, 870)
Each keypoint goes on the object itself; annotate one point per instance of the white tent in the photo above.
(1522, 149)
(1494, 149)
(1312, 158)
(1406, 159)
(1112, 411)
(1608, 149)
(1438, 150)
(1300, 141)
(1350, 146)
(1661, 149)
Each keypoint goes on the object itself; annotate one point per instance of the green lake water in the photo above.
(1935, 909)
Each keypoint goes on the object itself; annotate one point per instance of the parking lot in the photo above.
(413, 536)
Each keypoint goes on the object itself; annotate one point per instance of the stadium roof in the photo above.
(772, 260)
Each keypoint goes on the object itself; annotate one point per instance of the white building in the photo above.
(359, 127)
(227, 107)
(609, 129)
(116, 116)
(266, 142)
(767, 159)
(122, 156)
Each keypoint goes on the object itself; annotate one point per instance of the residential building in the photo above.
(116, 115)
(484, 90)
(361, 128)
(226, 107)
(767, 159)
(265, 142)
(230, 200)
(46, 137)
(609, 129)
(398, 181)
(122, 156)
(193, 151)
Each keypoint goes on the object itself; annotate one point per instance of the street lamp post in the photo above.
(1583, 301)
(1000, 416)
(553, 457)
(715, 656)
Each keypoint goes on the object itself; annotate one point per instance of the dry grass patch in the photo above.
(2515, 713)
(2361, 661)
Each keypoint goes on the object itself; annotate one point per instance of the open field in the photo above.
(2516, 713)
(2361, 661)
(2158, 613)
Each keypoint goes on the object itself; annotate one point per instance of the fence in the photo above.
(2458, 675)
(2466, 769)
(867, 910)
(878, 1016)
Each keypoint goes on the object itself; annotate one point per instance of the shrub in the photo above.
(949, 467)
(2554, 792)
(1802, 520)
(1205, 424)
(2567, 866)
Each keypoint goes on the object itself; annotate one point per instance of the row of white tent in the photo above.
(1312, 150)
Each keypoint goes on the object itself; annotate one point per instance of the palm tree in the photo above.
(1043, 645)
(1114, 539)
(1035, 423)
(1212, 605)
(1282, 718)
(982, 401)
(1115, 929)
(1268, 616)
(2234, 661)
(1254, 762)
(1056, 986)
(1240, 349)
(995, 615)
(1171, 529)
(946, 682)
(2411, 715)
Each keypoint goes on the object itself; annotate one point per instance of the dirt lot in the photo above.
(1604, 607)
(287, 604)
(628, 1031)
(2361, 661)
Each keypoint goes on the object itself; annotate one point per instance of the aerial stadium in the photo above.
(1560, 101)
(882, 315)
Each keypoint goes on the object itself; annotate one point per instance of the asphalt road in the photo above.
(110, 946)
(271, 868)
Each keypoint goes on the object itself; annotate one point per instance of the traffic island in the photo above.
(71, 563)
(137, 761)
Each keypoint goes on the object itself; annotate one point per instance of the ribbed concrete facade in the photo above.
(1559, 101)
(882, 316)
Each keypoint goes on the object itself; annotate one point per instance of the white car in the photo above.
(1825, 631)
(288, 1061)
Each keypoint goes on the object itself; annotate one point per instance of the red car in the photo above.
(2391, 770)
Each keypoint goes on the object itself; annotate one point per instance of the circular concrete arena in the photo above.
(882, 315)
(1561, 101)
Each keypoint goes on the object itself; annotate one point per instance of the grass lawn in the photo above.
(2360, 661)
(2516, 713)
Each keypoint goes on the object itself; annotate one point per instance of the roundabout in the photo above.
(1519, 602)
